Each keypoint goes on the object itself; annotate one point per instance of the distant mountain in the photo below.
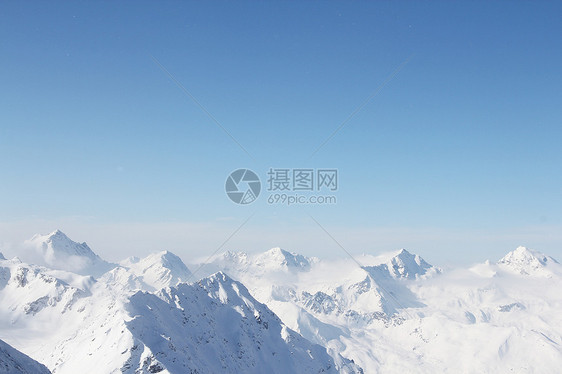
(368, 293)
(407, 265)
(158, 270)
(529, 262)
(280, 259)
(13, 361)
(275, 260)
(58, 251)
(2, 256)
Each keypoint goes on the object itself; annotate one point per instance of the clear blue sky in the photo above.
(464, 143)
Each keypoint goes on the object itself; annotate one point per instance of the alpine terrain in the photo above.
(276, 311)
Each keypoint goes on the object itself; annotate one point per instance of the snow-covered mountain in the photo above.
(398, 313)
(280, 311)
(280, 259)
(274, 260)
(338, 288)
(57, 251)
(529, 262)
(217, 326)
(402, 264)
(158, 270)
(213, 325)
(28, 289)
(13, 361)
(108, 324)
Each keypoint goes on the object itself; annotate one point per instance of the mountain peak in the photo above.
(237, 332)
(56, 236)
(403, 253)
(166, 259)
(169, 256)
(58, 251)
(527, 261)
(220, 276)
(400, 264)
(159, 270)
(407, 265)
(60, 243)
(277, 259)
(58, 232)
(2, 256)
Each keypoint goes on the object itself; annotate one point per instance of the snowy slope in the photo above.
(223, 329)
(341, 288)
(38, 309)
(393, 313)
(13, 361)
(397, 313)
(28, 289)
(213, 325)
(107, 327)
(152, 273)
(158, 270)
(58, 251)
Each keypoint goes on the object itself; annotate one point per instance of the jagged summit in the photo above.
(58, 251)
(527, 261)
(238, 258)
(401, 264)
(407, 265)
(219, 276)
(2, 256)
(222, 328)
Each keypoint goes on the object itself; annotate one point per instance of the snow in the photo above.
(529, 262)
(59, 252)
(13, 361)
(280, 312)
(277, 259)
(220, 328)
(123, 321)
(158, 270)
(273, 260)
(397, 313)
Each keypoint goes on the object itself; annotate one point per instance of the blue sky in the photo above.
(457, 157)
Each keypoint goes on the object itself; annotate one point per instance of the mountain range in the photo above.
(276, 311)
